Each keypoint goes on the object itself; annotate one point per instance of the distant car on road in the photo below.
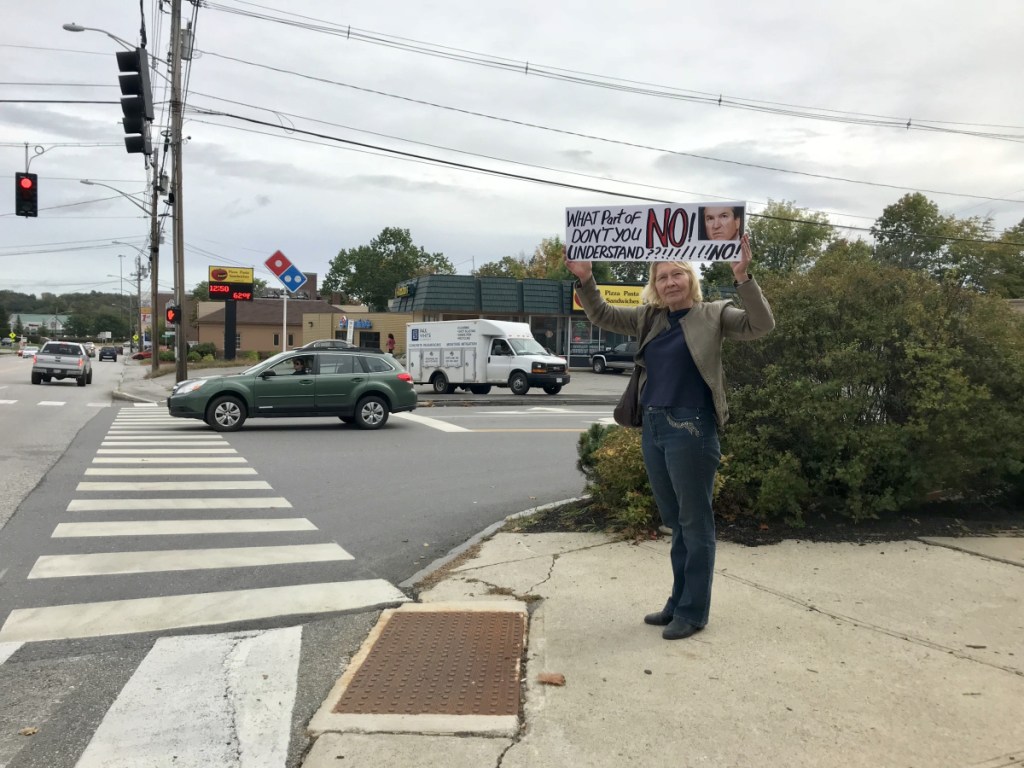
(144, 355)
(358, 386)
(62, 360)
(616, 359)
(108, 353)
(90, 349)
(28, 352)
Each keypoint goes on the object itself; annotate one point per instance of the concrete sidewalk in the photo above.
(896, 654)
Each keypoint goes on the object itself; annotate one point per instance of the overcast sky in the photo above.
(627, 117)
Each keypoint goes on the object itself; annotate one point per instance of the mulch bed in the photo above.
(936, 520)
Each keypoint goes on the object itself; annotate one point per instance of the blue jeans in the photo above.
(681, 454)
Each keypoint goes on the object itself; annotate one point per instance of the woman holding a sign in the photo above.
(682, 398)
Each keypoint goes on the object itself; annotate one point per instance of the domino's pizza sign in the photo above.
(291, 277)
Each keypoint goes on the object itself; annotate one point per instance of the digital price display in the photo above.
(231, 291)
(231, 284)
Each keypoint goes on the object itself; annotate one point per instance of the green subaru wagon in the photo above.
(358, 386)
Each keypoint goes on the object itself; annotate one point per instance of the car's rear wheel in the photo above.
(479, 389)
(226, 413)
(371, 413)
(37, 378)
(88, 379)
(598, 365)
(553, 389)
(81, 380)
(518, 383)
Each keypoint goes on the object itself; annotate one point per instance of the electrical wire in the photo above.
(618, 142)
(575, 77)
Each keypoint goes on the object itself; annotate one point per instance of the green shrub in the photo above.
(611, 460)
(879, 390)
(166, 355)
(205, 349)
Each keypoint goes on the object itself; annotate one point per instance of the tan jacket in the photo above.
(704, 328)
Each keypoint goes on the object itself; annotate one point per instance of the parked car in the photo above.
(144, 355)
(358, 386)
(28, 352)
(330, 344)
(616, 359)
(108, 353)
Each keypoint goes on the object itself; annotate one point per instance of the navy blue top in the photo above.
(672, 377)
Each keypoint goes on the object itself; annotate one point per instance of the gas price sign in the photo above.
(231, 283)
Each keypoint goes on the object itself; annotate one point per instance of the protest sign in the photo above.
(655, 232)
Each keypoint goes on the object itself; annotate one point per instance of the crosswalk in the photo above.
(223, 698)
(150, 463)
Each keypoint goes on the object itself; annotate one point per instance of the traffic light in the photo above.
(173, 314)
(136, 100)
(26, 194)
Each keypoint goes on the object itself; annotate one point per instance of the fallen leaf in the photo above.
(29, 731)
(551, 678)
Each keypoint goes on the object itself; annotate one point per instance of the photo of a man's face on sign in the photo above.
(721, 222)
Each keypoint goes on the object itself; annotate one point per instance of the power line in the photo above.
(548, 182)
(619, 142)
(614, 83)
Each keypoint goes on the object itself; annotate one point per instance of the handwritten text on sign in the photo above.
(655, 232)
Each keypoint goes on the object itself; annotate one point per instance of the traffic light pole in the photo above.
(180, 342)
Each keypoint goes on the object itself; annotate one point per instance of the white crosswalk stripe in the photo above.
(152, 614)
(225, 700)
(182, 527)
(260, 502)
(107, 563)
(149, 471)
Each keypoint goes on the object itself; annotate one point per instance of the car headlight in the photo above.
(187, 386)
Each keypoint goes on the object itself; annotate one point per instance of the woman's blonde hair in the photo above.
(649, 295)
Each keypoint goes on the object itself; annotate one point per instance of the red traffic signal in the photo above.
(26, 194)
(173, 315)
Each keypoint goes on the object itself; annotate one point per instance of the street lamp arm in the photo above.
(125, 195)
(72, 27)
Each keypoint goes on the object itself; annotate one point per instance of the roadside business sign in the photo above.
(230, 283)
(291, 277)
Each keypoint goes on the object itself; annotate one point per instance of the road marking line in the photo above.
(152, 614)
(183, 485)
(170, 460)
(102, 505)
(98, 405)
(531, 429)
(51, 402)
(181, 527)
(7, 650)
(162, 436)
(426, 421)
(148, 451)
(189, 471)
(8, 402)
(152, 443)
(109, 563)
(225, 700)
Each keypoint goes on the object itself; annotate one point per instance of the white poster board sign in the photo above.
(655, 232)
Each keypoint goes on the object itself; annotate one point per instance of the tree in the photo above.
(547, 263)
(910, 233)
(1004, 263)
(786, 238)
(369, 273)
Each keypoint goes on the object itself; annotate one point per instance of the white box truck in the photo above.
(479, 354)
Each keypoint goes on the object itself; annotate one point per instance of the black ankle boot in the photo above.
(659, 619)
(679, 629)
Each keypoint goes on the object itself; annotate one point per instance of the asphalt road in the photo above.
(392, 500)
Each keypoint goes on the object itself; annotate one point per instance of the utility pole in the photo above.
(180, 342)
(154, 267)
